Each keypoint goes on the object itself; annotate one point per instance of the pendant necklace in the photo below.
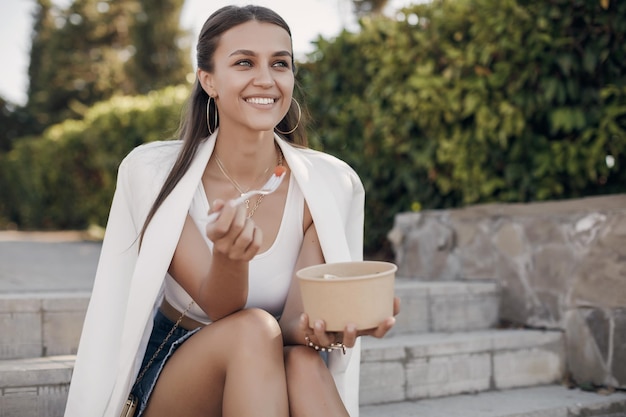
(238, 187)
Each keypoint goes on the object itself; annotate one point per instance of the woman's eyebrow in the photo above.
(248, 52)
(282, 53)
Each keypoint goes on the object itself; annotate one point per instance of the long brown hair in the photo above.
(194, 129)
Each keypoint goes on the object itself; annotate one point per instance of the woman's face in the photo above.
(253, 79)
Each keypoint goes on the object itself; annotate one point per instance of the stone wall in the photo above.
(560, 265)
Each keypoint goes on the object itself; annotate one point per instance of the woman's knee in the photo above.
(254, 328)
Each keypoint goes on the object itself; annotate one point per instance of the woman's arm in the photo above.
(217, 281)
(295, 323)
(310, 254)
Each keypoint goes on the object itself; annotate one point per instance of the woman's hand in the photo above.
(320, 337)
(233, 234)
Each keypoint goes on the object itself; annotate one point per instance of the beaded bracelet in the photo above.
(333, 346)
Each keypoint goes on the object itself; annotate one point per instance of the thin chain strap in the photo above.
(160, 348)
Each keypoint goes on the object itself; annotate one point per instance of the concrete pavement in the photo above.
(47, 262)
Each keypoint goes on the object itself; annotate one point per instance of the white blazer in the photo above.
(128, 286)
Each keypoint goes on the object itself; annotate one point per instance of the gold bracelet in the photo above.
(333, 346)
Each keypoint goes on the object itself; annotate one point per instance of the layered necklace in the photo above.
(240, 189)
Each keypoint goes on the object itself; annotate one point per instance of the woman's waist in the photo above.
(174, 316)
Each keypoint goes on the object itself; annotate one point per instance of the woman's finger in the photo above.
(254, 245)
(324, 338)
(238, 221)
(226, 229)
(221, 226)
(349, 335)
(217, 206)
(396, 306)
(303, 324)
(244, 239)
(382, 328)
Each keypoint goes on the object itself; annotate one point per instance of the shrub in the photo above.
(473, 101)
(65, 179)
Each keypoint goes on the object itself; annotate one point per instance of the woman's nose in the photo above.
(263, 77)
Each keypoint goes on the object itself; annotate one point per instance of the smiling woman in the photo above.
(252, 87)
(190, 317)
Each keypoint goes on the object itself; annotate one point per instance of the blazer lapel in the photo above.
(161, 237)
(320, 201)
(159, 243)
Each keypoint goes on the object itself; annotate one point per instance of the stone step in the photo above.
(413, 367)
(35, 387)
(38, 388)
(544, 401)
(400, 368)
(446, 306)
(48, 324)
(41, 324)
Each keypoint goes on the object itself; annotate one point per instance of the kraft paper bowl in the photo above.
(348, 292)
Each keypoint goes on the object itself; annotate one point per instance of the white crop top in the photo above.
(270, 272)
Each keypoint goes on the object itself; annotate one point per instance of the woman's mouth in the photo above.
(260, 100)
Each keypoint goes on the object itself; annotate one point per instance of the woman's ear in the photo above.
(206, 81)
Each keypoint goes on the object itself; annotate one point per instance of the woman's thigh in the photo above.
(194, 380)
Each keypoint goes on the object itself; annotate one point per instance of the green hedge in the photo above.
(458, 102)
(65, 178)
(472, 101)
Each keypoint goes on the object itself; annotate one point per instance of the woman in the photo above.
(198, 319)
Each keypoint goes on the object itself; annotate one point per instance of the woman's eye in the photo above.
(244, 63)
(284, 64)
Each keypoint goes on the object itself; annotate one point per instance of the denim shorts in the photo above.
(162, 326)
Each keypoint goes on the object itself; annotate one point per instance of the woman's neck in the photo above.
(245, 160)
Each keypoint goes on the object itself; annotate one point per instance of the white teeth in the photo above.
(260, 100)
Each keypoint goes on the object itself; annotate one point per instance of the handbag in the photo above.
(130, 406)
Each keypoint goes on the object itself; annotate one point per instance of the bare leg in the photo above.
(311, 388)
(233, 367)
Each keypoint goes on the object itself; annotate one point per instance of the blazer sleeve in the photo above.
(346, 368)
(356, 218)
(98, 353)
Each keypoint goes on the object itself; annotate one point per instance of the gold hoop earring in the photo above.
(297, 124)
(208, 106)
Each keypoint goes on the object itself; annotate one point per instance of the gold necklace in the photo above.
(238, 187)
(232, 180)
